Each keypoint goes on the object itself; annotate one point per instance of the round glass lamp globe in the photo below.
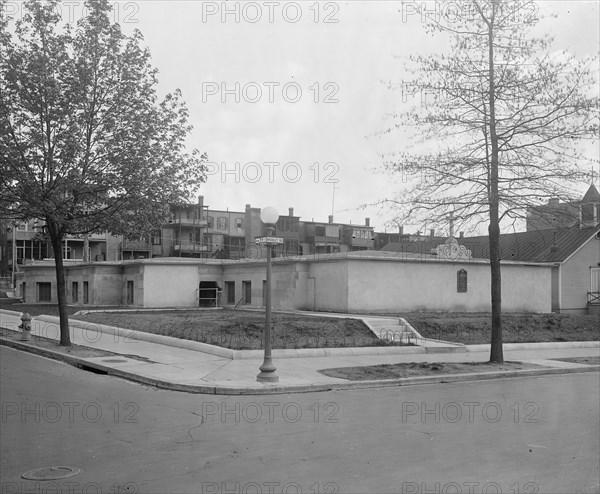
(269, 215)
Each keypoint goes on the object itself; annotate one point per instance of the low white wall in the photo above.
(339, 285)
(170, 285)
(388, 285)
(331, 286)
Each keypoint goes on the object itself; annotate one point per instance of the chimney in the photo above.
(401, 230)
(291, 211)
(248, 206)
(461, 234)
(432, 233)
(367, 221)
(330, 218)
(201, 200)
(451, 224)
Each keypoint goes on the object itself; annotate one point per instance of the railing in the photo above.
(593, 298)
(400, 334)
(324, 240)
(188, 222)
(190, 247)
(208, 301)
(91, 236)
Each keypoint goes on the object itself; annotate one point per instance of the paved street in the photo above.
(522, 435)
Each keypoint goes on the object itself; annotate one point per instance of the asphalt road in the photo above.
(523, 435)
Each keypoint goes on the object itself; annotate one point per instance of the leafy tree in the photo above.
(85, 143)
(499, 128)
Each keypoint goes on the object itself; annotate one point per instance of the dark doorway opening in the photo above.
(208, 294)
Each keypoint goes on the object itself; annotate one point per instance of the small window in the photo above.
(211, 222)
(587, 212)
(86, 292)
(44, 292)
(239, 223)
(247, 289)
(129, 292)
(221, 223)
(75, 292)
(156, 237)
(595, 280)
(230, 289)
(461, 281)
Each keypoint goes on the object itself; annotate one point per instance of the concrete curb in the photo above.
(551, 345)
(278, 389)
(42, 352)
(13, 313)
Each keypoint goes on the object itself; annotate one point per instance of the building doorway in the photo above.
(208, 294)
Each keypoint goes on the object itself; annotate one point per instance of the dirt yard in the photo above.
(243, 330)
(475, 328)
(414, 369)
(240, 330)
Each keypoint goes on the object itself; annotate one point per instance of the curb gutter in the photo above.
(277, 389)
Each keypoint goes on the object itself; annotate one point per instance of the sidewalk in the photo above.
(188, 366)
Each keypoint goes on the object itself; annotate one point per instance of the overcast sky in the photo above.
(310, 80)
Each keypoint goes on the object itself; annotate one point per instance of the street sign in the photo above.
(269, 240)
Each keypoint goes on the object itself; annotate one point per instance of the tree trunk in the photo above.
(496, 353)
(61, 292)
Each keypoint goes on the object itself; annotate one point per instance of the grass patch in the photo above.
(50, 344)
(243, 330)
(415, 369)
(475, 328)
(581, 360)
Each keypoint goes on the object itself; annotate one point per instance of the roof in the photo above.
(425, 246)
(592, 195)
(533, 246)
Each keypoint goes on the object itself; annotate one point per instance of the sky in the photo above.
(290, 99)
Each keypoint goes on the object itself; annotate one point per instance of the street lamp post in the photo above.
(269, 217)
(14, 255)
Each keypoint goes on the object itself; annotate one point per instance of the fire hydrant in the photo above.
(25, 326)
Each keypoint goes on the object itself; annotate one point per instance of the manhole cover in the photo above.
(51, 473)
(115, 361)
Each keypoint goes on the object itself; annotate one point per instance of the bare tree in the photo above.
(499, 128)
(85, 145)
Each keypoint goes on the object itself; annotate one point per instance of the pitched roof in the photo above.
(592, 195)
(533, 246)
